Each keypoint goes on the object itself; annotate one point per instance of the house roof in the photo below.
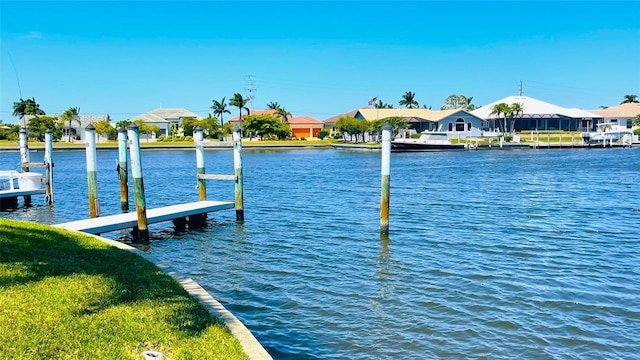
(623, 110)
(307, 120)
(426, 114)
(334, 119)
(534, 108)
(164, 115)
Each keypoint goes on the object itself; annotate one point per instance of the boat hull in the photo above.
(407, 146)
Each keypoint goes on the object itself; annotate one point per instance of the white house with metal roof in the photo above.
(457, 123)
(165, 118)
(540, 115)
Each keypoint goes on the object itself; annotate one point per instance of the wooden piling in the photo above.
(141, 233)
(501, 139)
(198, 137)
(24, 158)
(385, 178)
(237, 166)
(48, 164)
(122, 169)
(92, 171)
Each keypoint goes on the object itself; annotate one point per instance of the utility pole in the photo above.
(250, 89)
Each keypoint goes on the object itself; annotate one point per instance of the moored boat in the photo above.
(428, 141)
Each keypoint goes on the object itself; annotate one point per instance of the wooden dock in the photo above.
(108, 223)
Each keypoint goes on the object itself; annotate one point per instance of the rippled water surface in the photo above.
(491, 254)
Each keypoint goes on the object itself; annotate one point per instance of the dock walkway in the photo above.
(108, 223)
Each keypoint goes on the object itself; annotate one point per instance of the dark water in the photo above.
(491, 254)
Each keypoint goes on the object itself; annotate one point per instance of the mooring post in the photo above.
(142, 232)
(48, 165)
(537, 141)
(501, 138)
(122, 169)
(24, 158)
(237, 166)
(385, 178)
(548, 141)
(560, 140)
(198, 137)
(572, 140)
(92, 171)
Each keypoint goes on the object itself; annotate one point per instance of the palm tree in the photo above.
(408, 100)
(284, 114)
(630, 99)
(219, 108)
(70, 115)
(501, 109)
(381, 105)
(273, 105)
(515, 112)
(238, 101)
(24, 107)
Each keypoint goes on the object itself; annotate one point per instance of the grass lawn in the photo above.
(68, 296)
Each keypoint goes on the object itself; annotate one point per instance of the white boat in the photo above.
(428, 141)
(608, 133)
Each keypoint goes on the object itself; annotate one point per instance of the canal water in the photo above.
(491, 254)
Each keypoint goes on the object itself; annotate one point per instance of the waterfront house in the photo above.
(76, 129)
(540, 115)
(165, 119)
(457, 123)
(301, 126)
(623, 114)
(330, 123)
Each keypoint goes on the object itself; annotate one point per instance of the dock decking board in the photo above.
(129, 220)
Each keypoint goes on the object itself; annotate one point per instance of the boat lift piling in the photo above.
(122, 169)
(48, 165)
(92, 171)
(24, 158)
(237, 166)
(385, 171)
(141, 232)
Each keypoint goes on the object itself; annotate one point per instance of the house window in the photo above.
(450, 126)
(469, 126)
(460, 124)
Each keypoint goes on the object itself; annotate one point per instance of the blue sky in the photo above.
(315, 58)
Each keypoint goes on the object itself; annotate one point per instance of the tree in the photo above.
(636, 120)
(381, 105)
(515, 113)
(210, 127)
(501, 109)
(630, 99)
(24, 107)
(408, 100)
(188, 124)
(9, 132)
(273, 105)
(123, 124)
(397, 123)
(70, 115)
(145, 128)
(266, 125)
(103, 127)
(219, 109)
(458, 102)
(238, 101)
(38, 125)
(352, 126)
(283, 114)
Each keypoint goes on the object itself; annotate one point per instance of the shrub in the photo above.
(160, 138)
(323, 134)
(636, 131)
(188, 138)
(508, 138)
(337, 136)
(303, 138)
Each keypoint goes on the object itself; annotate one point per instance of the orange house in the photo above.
(305, 127)
(301, 126)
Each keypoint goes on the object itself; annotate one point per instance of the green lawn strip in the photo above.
(69, 296)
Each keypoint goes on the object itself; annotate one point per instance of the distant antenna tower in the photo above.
(250, 89)
(521, 92)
